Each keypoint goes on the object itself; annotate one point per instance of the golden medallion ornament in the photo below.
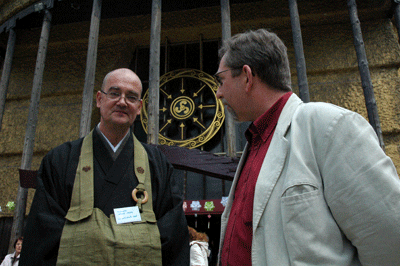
(190, 113)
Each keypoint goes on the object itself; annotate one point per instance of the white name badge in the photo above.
(127, 215)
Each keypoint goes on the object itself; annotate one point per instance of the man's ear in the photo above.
(249, 77)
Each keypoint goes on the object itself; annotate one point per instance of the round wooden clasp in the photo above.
(146, 196)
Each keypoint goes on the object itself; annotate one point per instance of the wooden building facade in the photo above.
(54, 55)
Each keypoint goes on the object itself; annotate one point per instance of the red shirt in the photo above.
(239, 231)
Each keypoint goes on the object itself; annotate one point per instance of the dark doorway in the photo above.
(210, 225)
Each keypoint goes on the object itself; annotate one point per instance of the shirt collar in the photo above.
(265, 124)
(114, 148)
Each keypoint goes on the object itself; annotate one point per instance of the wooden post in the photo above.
(397, 16)
(230, 126)
(5, 76)
(154, 73)
(299, 52)
(364, 72)
(87, 97)
(27, 153)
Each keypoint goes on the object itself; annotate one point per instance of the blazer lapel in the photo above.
(269, 175)
(274, 160)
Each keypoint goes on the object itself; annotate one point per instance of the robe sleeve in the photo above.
(167, 201)
(45, 222)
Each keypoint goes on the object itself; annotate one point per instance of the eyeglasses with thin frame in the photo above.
(116, 96)
(218, 78)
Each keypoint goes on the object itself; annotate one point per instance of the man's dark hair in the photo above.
(264, 52)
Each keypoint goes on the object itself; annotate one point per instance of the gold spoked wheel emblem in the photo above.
(190, 113)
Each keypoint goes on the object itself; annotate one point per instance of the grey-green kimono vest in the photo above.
(89, 237)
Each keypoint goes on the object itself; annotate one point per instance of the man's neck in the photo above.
(114, 135)
(263, 103)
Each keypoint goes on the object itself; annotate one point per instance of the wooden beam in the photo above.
(87, 97)
(202, 162)
(154, 73)
(396, 14)
(225, 19)
(368, 89)
(299, 52)
(5, 76)
(27, 153)
(230, 126)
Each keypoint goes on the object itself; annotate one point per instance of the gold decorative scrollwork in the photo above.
(190, 113)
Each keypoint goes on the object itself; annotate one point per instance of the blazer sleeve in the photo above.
(362, 189)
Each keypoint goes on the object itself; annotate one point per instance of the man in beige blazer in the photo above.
(313, 186)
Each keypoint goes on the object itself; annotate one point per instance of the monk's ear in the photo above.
(98, 99)
(140, 107)
(249, 77)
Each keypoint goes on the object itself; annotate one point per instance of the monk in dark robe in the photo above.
(107, 199)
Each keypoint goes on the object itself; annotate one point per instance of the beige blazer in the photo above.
(326, 194)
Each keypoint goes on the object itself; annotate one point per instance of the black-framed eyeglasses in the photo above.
(217, 77)
(116, 96)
